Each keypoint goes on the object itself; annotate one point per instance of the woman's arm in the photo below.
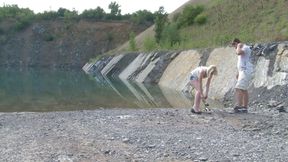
(207, 86)
(201, 76)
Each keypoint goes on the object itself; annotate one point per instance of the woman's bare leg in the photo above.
(197, 98)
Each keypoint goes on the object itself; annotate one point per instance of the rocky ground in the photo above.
(144, 135)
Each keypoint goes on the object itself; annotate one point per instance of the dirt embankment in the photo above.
(144, 135)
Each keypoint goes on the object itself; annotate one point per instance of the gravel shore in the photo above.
(162, 134)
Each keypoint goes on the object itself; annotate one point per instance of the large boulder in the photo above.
(177, 72)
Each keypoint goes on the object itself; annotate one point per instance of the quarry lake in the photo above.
(42, 90)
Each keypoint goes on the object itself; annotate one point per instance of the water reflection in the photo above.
(62, 90)
(177, 98)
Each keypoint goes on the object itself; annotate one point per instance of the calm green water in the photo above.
(61, 90)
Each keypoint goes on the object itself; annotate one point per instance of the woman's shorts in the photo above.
(192, 77)
(244, 79)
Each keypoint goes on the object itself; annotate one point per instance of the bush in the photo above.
(109, 37)
(187, 17)
(47, 15)
(132, 42)
(201, 19)
(23, 22)
(170, 35)
(97, 13)
(48, 37)
(20, 25)
(149, 44)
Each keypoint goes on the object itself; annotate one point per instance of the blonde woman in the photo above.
(196, 80)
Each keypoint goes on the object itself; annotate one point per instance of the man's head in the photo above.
(235, 42)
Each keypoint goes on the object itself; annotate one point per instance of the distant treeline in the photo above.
(25, 16)
(167, 31)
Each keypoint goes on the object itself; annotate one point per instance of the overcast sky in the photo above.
(126, 6)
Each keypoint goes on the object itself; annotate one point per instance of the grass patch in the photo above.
(265, 20)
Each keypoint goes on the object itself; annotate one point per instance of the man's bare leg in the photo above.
(239, 97)
(242, 101)
(245, 98)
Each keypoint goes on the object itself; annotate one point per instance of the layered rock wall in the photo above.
(171, 69)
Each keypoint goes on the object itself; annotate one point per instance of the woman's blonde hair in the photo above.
(212, 70)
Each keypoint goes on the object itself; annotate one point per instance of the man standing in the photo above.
(244, 76)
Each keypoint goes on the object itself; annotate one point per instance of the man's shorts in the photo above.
(244, 79)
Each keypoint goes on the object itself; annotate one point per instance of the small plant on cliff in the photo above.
(48, 37)
(149, 44)
(132, 42)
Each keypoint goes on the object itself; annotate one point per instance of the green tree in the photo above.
(61, 12)
(170, 35)
(69, 17)
(143, 17)
(23, 17)
(115, 11)
(97, 13)
(9, 11)
(161, 18)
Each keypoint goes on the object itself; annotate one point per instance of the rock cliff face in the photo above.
(172, 69)
(59, 44)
